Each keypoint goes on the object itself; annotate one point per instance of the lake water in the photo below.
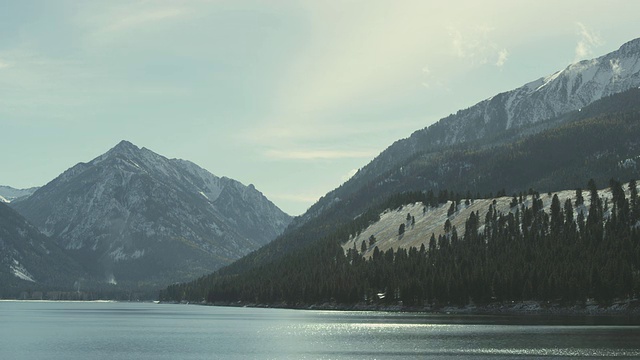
(94, 330)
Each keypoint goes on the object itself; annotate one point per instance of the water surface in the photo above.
(90, 330)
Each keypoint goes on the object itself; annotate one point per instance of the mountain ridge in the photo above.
(130, 211)
(373, 181)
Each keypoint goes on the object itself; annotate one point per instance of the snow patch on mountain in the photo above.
(567, 90)
(20, 272)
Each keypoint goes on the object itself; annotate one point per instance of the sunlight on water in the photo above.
(568, 352)
(148, 331)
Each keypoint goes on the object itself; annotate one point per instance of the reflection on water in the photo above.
(67, 330)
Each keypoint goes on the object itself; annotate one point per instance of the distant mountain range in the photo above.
(134, 218)
(8, 194)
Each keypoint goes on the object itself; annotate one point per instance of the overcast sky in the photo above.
(291, 96)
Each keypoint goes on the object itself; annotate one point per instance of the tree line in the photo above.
(570, 253)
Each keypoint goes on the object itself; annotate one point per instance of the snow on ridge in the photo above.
(549, 79)
(576, 86)
(2, 199)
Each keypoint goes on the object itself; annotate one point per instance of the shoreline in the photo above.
(629, 307)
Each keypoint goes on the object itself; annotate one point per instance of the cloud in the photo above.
(318, 154)
(587, 41)
(4, 64)
(106, 24)
(299, 198)
(476, 44)
(503, 55)
(141, 18)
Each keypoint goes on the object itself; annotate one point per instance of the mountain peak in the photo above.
(167, 219)
(124, 146)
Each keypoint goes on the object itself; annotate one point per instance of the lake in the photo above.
(110, 330)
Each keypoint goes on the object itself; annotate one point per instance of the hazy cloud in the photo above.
(318, 154)
(503, 55)
(475, 43)
(299, 198)
(142, 18)
(4, 64)
(587, 41)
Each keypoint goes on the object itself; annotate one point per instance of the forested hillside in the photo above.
(523, 254)
(599, 142)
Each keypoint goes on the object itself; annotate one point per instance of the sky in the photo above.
(291, 96)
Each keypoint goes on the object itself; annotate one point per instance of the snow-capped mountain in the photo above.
(133, 215)
(567, 90)
(549, 97)
(571, 89)
(9, 194)
(28, 259)
(423, 161)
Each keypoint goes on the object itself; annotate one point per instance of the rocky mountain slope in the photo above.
(549, 97)
(573, 88)
(599, 142)
(29, 260)
(530, 108)
(434, 157)
(135, 218)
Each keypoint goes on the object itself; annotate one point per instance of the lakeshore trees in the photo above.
(525, 254)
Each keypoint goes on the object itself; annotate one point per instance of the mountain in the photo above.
(29, 260)
(600, 142)
(135, 218)
(425, 252)
(456, 153)
(550, 97)
(9, 194)
(571, 89)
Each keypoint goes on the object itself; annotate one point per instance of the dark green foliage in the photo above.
(522, 255)
(579, 198)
